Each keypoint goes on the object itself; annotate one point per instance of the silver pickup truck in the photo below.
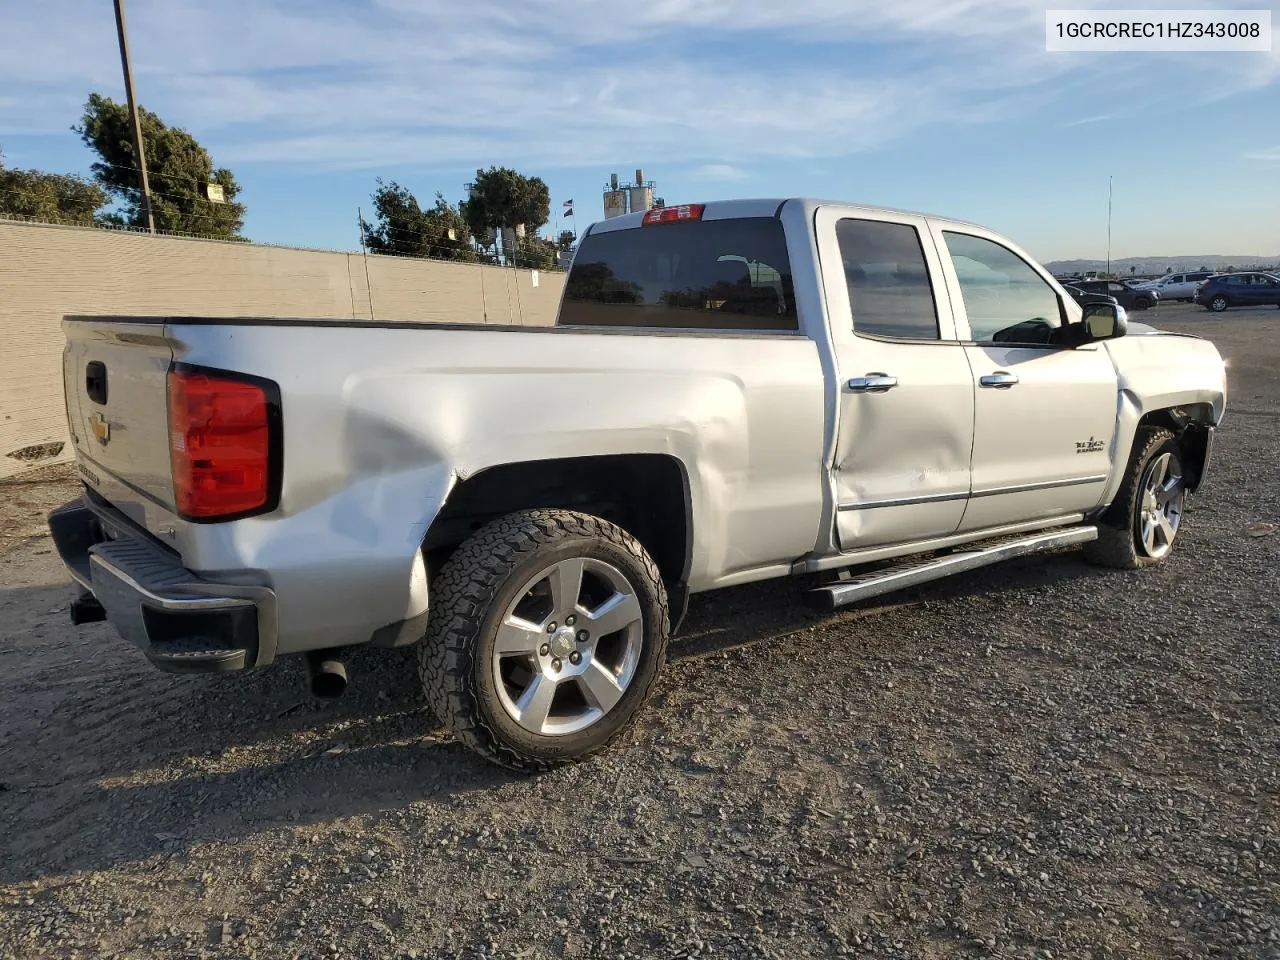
(733, 391)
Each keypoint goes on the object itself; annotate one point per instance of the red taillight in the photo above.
(220, 444)
(685, 211)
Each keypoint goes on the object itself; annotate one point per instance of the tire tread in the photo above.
(463, 592)
(1116, 546)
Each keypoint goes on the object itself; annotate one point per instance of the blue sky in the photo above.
(947, 106)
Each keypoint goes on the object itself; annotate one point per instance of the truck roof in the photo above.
(765, 207)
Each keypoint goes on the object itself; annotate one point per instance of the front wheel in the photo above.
(546, 633)
(1140, 526)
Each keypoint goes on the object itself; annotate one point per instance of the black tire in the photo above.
(1119, 544)
(1218, 303)
(469, 599)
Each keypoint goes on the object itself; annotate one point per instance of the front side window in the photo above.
(889, 289)
(696, 275)
(1006, 300)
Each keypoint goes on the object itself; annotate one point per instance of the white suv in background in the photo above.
(1178, 286)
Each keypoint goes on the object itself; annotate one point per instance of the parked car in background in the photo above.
(1089, 299)
(1123, 294)
(1178, 286)
(1239, 290)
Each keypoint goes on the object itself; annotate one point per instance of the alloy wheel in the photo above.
(568, 647)
(1164, 497)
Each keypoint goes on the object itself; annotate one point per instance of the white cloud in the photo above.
(1086, 120)
(720, 171)
(1266, 156)
(562, 82)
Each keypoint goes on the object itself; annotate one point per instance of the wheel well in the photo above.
(1191, 424)
(645, 494)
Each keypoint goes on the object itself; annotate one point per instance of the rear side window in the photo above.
(695, 275)
(889, 289)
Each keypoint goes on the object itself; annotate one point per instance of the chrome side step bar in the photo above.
(873, 583)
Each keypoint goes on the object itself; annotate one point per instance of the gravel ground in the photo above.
(1038, 760)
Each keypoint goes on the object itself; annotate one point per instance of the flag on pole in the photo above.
(569, 212)
(568, 203)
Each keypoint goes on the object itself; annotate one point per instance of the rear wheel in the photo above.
(1219, 303)
(546, 633)
(1142, 523)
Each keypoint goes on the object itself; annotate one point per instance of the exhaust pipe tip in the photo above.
(328, 675)
(86, 609)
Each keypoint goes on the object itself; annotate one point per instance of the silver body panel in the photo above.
(787, 469)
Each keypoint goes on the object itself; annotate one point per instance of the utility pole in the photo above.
(1109, 226)
(133, 114)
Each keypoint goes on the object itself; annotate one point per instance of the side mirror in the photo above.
(1105, 321)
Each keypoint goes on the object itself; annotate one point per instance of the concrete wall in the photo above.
(47, 272)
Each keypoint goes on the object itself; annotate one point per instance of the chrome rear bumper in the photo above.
(182, 622)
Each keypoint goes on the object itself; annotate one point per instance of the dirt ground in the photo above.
(1039, 760)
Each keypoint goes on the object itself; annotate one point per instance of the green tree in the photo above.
(535, 253)
(179, 171)
(500, 197)
(565, 241)
(48, 197)
(405, 229)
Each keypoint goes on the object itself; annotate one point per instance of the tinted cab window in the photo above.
(889, 288)
(694, 275)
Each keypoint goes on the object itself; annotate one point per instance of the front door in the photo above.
(1044, 415)
(1260, 290)
(905, 408)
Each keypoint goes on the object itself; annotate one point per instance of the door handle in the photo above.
(873, 383)
(1000, 380)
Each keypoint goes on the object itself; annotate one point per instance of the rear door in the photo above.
(1044, 415)
(1122, 292)
(905, 405)
(115, 375)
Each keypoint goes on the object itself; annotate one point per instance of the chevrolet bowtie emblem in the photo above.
(101, 428)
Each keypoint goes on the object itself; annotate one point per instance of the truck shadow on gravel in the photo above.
(123, 762)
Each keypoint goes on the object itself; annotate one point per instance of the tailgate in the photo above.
(115, 376)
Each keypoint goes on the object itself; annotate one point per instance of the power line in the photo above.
(10, 217)
(154, 171)
(90, 200)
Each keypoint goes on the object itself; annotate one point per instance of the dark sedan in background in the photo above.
(1122, 293)
(1085, 299)
(1239, 290)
